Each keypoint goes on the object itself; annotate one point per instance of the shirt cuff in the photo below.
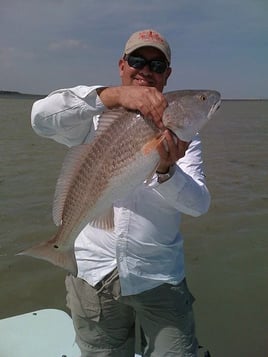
(92, 98)
(175, 184)
(154, 182)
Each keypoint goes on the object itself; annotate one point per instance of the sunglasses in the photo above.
(138, 62)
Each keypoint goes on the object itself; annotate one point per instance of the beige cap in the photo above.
(148, 38)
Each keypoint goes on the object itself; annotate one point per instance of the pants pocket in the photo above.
(82, 299)
(183, 298)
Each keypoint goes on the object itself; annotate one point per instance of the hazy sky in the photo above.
(216, 44)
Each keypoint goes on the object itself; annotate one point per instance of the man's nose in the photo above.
(146, 70)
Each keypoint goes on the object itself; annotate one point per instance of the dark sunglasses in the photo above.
(138, 62)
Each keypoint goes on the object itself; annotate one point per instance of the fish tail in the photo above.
(53, 253)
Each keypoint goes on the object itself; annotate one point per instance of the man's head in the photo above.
(146, 60)
(148, 38)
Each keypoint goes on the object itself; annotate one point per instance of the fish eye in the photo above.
(202, 97)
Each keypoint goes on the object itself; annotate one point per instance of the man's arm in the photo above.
(186, 190)
(66, 115)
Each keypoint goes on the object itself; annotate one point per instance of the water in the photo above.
(226, 249)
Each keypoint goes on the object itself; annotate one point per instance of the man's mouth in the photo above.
(144, 82)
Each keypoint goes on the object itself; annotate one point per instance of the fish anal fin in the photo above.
(53, 253)
(105, 221)
(152, 145)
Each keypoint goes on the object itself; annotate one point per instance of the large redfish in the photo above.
(122, 155)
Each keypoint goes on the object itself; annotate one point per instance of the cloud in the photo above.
(68, 44)
(7, 56)
(10, 57)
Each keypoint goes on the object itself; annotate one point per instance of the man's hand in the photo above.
(170, 150)
(147, 100)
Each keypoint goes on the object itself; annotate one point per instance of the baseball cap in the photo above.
(148, 38)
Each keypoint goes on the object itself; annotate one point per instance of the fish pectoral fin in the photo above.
(53, 253)
(152, 145)
(105, 221)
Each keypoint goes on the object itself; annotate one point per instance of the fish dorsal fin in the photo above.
(107, 118)
(70, 166)
(105, 221)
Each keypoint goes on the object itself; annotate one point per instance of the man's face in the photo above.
(145, 76)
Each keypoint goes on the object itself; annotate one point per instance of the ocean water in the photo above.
(226, 249)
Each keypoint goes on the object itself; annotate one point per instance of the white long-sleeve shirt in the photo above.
(146, 244)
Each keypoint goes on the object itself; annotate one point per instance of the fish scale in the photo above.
(123, 151)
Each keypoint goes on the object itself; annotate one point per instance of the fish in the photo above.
(122, 155)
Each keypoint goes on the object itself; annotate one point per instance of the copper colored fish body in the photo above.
(122, 155)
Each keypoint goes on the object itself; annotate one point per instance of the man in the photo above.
(137, 270)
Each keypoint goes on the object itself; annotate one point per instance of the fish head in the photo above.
(189, 110)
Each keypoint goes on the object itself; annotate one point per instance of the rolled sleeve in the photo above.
(66, 115)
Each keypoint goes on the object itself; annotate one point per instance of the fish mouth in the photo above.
(214, 108)
(217, 105)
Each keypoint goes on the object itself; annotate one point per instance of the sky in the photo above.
(216, 44)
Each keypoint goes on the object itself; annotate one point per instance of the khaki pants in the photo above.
(105, 321)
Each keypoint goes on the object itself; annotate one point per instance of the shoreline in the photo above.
(15, 94)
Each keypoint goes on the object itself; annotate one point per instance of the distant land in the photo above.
(15, 94)
(6, 93)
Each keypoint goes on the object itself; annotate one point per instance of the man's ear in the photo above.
(168, 73)
(121, 66)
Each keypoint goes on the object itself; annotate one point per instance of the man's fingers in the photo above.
(152, 105)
